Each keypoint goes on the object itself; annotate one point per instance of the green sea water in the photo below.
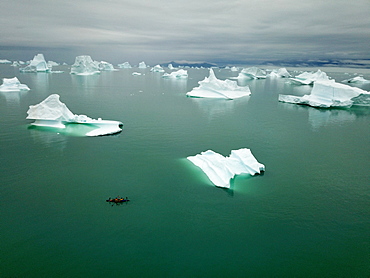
(308, 215)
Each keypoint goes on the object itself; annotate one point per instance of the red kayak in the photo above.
(118, 200)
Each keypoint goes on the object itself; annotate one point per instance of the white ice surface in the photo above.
(357, 79)
(220, 169)
(211, 87)
(142, 65)
(38, 64)
(51, 112)
(84, 65)
(329, 93)
(180, 74)
(252, 73)
(308, 78)
(13, 85)
(280, 73)
(157, 68)
(125, 65)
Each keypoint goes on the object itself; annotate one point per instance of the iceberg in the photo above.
(170, 66)
(38, 64)
(234, 69)
(180, 74)
(308, 78)
(142, 65)
(220, 170)
(125, 65)
(212, 87)
(84, 65)
(51, 112)
(357, 79)
(280, 73)
(4, 61)
(105, 66)
(252, 73)
(12, 85)
(157, 68)
(329, 93)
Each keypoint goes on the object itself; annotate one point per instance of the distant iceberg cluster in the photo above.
(13, 85)
(220, 170)
(329, 93)
(211, 87)
(51, 112)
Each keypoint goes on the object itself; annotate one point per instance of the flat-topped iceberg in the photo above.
(51, 112)
(308, 78)
(211, 87)
(84, 65)
(280, 73)
(13, 85)
(357, 79)
(180, 74)
(252, 73)
(220, 170)
(157, 68)
(38, 64)
(329, 93)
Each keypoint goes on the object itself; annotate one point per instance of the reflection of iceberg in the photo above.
(180, 74)
(252, 73)
(329, 93)
(308, 78)
(157, 68)
(52, 113)
(357, 79)
(220, 169)
(84, 65)
(38, 64)
(212, 87)
(282, 72)
(12, 85)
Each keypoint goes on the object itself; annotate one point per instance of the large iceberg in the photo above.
(280, 73)
(84, 65)
(308, 78)
(38, 64)
(329, 93)
(51, 112)
(211, 87)
(180, 74)
(220, 169)
(252, 73)
(13, 85)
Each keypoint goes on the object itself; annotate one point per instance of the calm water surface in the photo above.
(307, 216)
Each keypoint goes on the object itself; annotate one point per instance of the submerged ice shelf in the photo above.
(211, 87)
(51, 112)
(220, 169)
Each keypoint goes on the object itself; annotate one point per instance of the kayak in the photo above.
(118, 200)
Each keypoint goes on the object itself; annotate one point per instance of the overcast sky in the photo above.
(157, 31)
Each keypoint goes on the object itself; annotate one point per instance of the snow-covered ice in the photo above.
(38, 64)
(309, 78)
(280, 73)
(51, 112)
(84, 65)
(180, 74)
(220, 169)
(329, 93)
(211, 87)
(13, 85)
(252, 73)
(357, 79)
(157, 68)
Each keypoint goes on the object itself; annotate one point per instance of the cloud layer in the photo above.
(211, 30)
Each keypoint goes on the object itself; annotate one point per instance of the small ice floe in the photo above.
(51, 112)
(357, 79)
(136, 73)
(38, 64)
(84, 65)
(252, 73)
(157, 68)
(309, 78)
(279, 73)
(211, 87)
(220, 169)
(180, 74)
(13, 85)
(329, 93)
